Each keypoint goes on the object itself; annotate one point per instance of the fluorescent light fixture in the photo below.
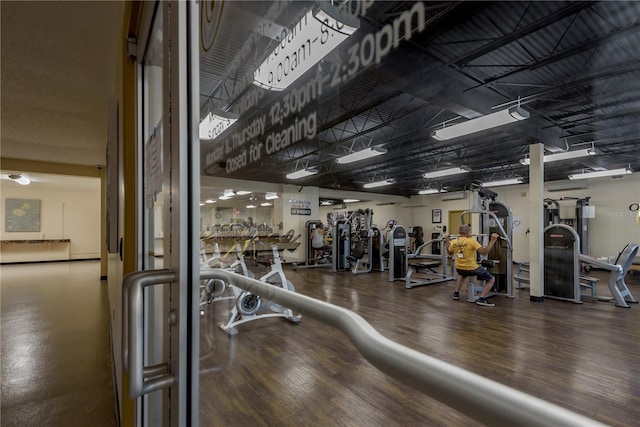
(563, 156)
(251, 206)
(302, 173)
(229, 193)
(210, 201)
(201, 204)
(598, 174)
(266, 204)
(431, 191)
(304, 45)
(243, 193)
(212, 126)
(351, 200)
(270, 196)
(445, 172)
(500, 182)
(326, 203)
(500, 118)
(225, 197)
(361, 155)
(19, 178)
(378, 183)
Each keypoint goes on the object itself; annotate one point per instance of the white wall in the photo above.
(64, 214)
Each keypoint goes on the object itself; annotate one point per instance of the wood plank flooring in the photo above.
(275, 373)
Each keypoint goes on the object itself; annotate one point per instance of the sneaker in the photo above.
(485, 302)
(456, 295)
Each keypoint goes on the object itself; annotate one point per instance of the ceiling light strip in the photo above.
(445, 172)
(599, 174)
(565, 155)
(362, 155)
(500, 118)
(501, 182)
(302, 173)
(378, 183)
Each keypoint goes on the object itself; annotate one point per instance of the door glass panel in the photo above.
(267, 70)
(153, 212)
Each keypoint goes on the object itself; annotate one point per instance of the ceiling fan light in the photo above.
(20, 179)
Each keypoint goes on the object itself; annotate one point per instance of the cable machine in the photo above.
(495, 217)
(362, 233)
(341, 245)
(311, 261)
(574, 212)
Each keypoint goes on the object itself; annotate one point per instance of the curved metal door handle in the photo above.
(133, 333)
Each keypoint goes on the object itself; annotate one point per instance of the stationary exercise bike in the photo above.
(213, 290)
(249, 307)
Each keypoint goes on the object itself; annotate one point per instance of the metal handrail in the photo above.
(482, 399)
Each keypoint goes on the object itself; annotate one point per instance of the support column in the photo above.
(536, 226)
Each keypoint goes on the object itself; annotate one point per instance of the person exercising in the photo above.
(317, 242)
(465, 250)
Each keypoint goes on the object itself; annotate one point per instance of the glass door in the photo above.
(267, 69)
(168, 252)
(151, 154)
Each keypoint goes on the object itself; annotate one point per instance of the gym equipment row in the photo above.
(562, 278)
(404, 265)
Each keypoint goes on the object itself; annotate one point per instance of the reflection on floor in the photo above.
(56, 354)
(580, 356)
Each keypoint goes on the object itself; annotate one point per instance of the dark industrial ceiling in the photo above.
(574, 66)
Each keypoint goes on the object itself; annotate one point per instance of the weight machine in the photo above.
(574, 212)
(341, 245)
(562, 279)
(403, 264)
(353, 243)
(495, 217)
(312, 262)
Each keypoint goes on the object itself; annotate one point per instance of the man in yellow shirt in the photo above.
(465, 250)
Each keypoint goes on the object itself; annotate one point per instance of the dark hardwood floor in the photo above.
(56, 367)
(584, 357)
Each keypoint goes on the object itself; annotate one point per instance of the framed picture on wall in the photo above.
(436, 216)
(22, 215)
